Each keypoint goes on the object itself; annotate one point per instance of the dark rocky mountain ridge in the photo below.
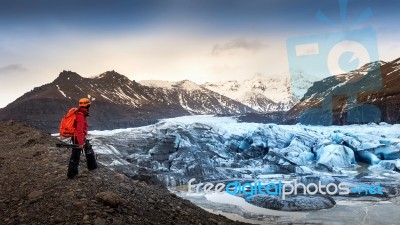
(368, 94)
(118, 102)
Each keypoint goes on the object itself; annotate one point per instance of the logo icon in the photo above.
(351, 57)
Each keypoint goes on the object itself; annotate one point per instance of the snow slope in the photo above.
(261, 93)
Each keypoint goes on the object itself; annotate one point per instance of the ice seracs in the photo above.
(213, 148)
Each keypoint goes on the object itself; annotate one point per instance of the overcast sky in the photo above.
(203, 40)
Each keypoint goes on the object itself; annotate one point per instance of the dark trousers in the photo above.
(75, 157)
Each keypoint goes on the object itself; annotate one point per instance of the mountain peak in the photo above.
(188, 85)
(372, 65)
(66, 76)
(112, 75)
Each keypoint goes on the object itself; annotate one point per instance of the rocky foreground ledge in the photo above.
(34, 189)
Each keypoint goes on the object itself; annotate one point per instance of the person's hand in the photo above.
(81, 146)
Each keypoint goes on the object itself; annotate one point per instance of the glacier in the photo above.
(213, 149)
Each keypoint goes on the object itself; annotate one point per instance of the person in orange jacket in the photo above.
(79, 139)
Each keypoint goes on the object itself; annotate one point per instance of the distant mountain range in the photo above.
(261, 93)
(120, 102)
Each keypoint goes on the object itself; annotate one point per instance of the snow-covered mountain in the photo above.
(259, 93)
(194, 98)
(301, 82)
(265, 93)
(158, 83)
(118, 101)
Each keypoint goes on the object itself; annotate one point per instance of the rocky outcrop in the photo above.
(293, 203)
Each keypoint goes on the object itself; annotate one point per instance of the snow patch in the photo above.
(271, 91)
(189, 85)
(158, 83)
(78, 87)
(61, 91)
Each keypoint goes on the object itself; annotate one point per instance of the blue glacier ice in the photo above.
(335, 155)
(213, 148)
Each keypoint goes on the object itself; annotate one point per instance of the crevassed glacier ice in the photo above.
(215, 148)
(219, 149)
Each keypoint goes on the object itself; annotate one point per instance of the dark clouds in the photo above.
(216, 15)
(87, 15)
(12, 68)
(252, 46)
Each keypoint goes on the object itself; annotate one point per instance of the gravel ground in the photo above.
(34, 189)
